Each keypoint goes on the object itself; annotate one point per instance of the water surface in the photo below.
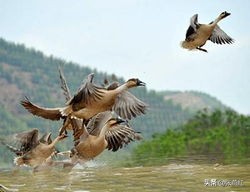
(171, 177)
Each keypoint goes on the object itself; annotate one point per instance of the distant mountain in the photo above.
(193, 100)
(27, 72)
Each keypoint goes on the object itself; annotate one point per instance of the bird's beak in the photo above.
(227, 14)
(119, 120)
(140, 83)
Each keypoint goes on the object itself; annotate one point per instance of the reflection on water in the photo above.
(99, 177)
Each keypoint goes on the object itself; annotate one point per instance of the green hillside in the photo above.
(27, 72)
(218, 137)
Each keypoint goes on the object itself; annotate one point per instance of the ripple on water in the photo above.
(172, 177)
(81, 191)
(6, 189)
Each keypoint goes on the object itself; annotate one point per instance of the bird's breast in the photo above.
(91, 147)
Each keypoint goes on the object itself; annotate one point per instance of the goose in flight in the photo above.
(104, 131)
(25, 141)
(33, 151)
(91, 100)
(116, 138)
(197, 34)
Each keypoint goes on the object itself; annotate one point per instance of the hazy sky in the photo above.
(140, 38)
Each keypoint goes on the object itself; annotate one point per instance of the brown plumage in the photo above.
(32, 150)
(104, 131)
(64, 85)
(197, 34)
(76, 124)
(25, 141)
(91, 99)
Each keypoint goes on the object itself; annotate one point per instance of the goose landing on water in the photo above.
(197, 34)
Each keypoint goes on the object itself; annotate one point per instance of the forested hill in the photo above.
(27, 72)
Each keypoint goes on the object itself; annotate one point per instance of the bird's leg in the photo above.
(62, 136)
(65, 124)
(78, 131)
(201, 49)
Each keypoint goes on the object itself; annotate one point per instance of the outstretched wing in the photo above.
(120, 135)
(88, 93)
(220, 37)
(194, 25)
(97, 122)
(128, 106)
(64, 85)
(117, 136)
(27, 136)
(23, 142)
(47, 113)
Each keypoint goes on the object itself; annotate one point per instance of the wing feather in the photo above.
(23, 142)
(47, 113)
(128, 106)
(64, 85)
(194, 25)
(97, 122)
(120, 135)
(220, 37)
(88, 93)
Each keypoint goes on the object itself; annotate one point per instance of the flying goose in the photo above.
(91, 100)
(197, 34)
(104, 131)
(25, 141)
(34, 151)
(96, 123)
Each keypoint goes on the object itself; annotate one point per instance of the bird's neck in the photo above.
(103, 131)
(53, 143)
(85, 133)
(122, 87)
(216, 21)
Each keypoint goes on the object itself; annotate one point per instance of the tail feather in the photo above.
(184, 44)
(187, 45)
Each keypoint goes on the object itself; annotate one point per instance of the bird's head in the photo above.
(224, 14)
(115, 121)
(134, 82)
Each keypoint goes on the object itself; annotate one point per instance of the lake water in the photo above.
(172, 177)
